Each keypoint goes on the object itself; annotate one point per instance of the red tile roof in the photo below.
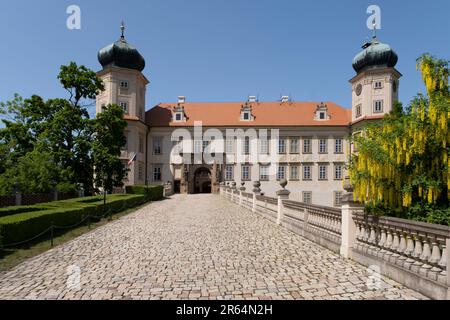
(266, 114)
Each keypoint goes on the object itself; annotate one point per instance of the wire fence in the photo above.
(107, 213)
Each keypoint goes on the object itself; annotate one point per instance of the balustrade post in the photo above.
(241, 191)
(282, 194)
(256, 191)
(348, 226)
(447, 247)
(233, 191)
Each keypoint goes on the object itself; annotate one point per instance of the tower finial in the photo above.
(122, 28)
(374, 24)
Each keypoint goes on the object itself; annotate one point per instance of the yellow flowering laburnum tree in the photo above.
(401, 166)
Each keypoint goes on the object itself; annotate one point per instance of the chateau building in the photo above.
(311, 147)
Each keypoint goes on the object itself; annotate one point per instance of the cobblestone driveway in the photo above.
(195, 247)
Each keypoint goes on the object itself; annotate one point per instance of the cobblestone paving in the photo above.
(193, 247)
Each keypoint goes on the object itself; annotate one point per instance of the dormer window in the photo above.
(246, 113)
(178, 114)
(321, 113)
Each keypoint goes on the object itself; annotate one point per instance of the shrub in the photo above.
(26, 225)
(16, 210)
(153, 193)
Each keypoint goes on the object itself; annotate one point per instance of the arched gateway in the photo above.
(202, 181)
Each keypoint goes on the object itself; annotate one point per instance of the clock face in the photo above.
(358, 89)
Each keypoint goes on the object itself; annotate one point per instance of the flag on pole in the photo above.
(132, 159)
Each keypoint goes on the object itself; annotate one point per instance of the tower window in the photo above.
(124, 84)
(358, 111)
(378, 85)
(378, 106)
(124, 106)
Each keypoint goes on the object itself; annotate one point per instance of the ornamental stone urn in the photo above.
(256, 186)
(242, 188)
(283, 183)
(233, 185)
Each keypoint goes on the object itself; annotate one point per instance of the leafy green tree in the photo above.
(60, 127)
(402, 163)
(109, 140)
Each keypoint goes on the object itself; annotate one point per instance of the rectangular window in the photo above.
(246, 116)
(338, 172)
(124, 84)
(264, 146)
(124, 106)
(307, 197)
(323, 146)
(307, 174)
(378, 106)
(378, 85)
(140, 172)
(323, 170)
(281, 172)
(157, 174)
(157, 145)
(282, 146)
(294, 172)
(294, 146)
(246, 146)
(141, 144)
(358, 111)
(229, 173)
(229, 144)
(198, 144)
(264, 173)
(125, 146)
(322, 115)
(178, 116)
(338, 145)
(246, 173)
(307, 146)
(337, 198)
(205, 146)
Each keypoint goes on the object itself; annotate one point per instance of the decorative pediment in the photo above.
(246, 112)
(321, 113)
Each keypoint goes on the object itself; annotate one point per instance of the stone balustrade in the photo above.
(413, 253)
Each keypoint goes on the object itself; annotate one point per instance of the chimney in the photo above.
(181, 99)
(252, 99)
(284, 99)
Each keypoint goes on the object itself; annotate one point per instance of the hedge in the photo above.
(26, 225)
(153, 193)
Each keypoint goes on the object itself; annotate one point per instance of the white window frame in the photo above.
(323, 148)
(376, 104)
(358, 111)
(281, 172)
(264, 146)
(124, 106)
(157, 146)
(294, 172)
(338, 145)
(323, 172)
(307, 147)
(338, 171)
(307, 197)
(157, 171)
(246, 146)
(282, 146)
(294, 146)
(229, 146)
(124, 84)
(337, 198)
(264, 173)
(307, 172)
(378, 84)
(229, 173)
(246, 172)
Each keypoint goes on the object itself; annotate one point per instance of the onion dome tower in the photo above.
(375, 86)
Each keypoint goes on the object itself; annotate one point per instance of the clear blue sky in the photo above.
(219, 50)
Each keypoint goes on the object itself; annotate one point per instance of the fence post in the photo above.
(55, 194)
(282, 194)
(348, 228)
(256, 191)
(241, 191)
